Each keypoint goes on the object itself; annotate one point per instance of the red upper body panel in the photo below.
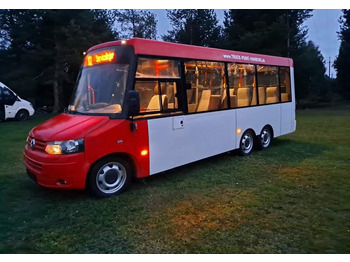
(165, 49)
(66, 126)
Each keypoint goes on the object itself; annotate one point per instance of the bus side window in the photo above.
(286, 95)
(208, 86)
(149, 96)
(157, 96)
(170, 90)
(242, 85)
(268, 84)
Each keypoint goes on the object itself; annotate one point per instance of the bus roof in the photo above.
(166, 49)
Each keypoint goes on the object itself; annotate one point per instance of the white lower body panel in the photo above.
(200, 135)
(179, 140)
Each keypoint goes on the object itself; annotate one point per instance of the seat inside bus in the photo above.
(285, 97)
(271, 95)
(154, 102)
(204, 102)
(262, 95)
(243, 97)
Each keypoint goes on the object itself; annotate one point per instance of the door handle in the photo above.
(178, 123)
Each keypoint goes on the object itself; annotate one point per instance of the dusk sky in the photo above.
(323, 27)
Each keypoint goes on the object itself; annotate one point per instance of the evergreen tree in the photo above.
(136, 23)
(274, 32)
(309, 70)
(19, 33)
(194, 27)
(65, 35)
(342, 63)
(280, 33)
(45, 49)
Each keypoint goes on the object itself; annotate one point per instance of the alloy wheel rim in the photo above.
(247, 143)
(111, 177)
(265, 138)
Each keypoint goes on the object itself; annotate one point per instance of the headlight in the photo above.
(65, 147)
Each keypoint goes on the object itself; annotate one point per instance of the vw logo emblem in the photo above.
(32, 143)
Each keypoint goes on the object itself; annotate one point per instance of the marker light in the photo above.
(238, 131)
(100, 58)
(144, 152)
(123, 42)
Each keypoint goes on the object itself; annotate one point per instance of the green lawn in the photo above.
(292, 198)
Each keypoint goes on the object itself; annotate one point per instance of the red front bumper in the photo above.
(56, 171)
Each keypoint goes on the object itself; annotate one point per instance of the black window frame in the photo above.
(184, 60)
(290, 84)
(178, 80)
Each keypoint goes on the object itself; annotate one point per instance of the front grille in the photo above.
(33, 164)
(39, 144)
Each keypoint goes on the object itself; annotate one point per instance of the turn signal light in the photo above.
(144, 152)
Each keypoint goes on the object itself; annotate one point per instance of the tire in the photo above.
(22, 115)
(263, 141)
(246, 144)
(109, 177)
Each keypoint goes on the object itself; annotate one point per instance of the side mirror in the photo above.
(133, 101)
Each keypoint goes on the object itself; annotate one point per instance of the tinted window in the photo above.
(206, 89)
(286, 95)
(7, 96)
(268, 84)
(157, 68)
(242, 85)
(156, 96)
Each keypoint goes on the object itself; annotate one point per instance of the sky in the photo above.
(323, 25)
(322, 30)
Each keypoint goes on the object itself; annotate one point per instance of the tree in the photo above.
(194, 27)
(136, 23)
(65, 35)
(342, 62)
(309, 73)
(274, 32)
(45, 49)
(19, 33)
(280, 33)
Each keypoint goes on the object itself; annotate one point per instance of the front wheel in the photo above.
(109, 177)
(22, 115)
(246, 144)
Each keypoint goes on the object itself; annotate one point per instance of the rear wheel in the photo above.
(109, 176)
(265, 138)
(22, 115)
(246, 144)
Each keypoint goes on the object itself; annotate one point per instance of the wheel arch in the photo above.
(124, 155)
(270, 127)
(250, 130)
(19, 110)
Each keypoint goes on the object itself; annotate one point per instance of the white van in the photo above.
(15, 107)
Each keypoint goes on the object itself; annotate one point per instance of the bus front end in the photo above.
(63, 151)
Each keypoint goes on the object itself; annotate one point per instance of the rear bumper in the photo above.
(56, 171)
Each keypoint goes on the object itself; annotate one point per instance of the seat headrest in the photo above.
(243, 91)
(206, 94)
(271, 91)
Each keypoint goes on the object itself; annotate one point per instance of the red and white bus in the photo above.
(141, 107)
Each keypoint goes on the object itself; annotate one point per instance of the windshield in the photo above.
(100, 89)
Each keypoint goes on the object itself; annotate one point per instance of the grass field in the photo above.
(292, 198)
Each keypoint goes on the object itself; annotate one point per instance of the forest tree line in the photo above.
(41, 50)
